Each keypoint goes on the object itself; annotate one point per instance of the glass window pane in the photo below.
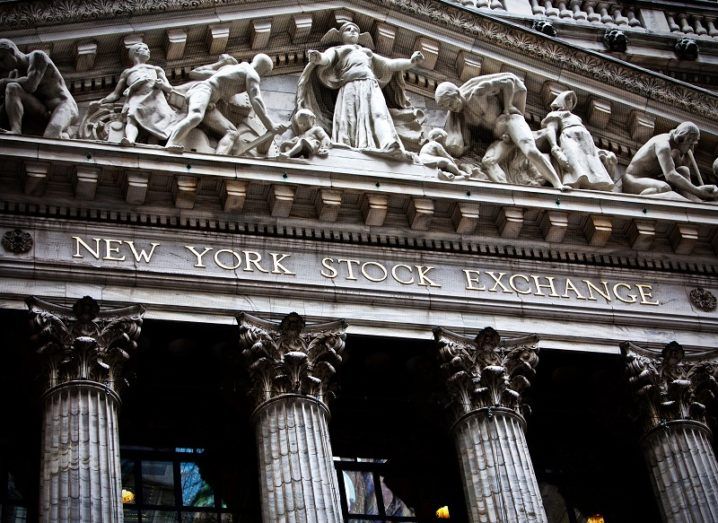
(199, 517)
(196, 492)
(393, 505)
(159, 516)
(158, 483)
(360, 492)
(131, 515)
(13, 492)
(16, 514)
(226, 518)
(128, 481)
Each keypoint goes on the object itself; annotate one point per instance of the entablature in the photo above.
(354, 198)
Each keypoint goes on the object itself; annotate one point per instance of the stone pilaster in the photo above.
(291, 367)
(673, 391)
(83, 350)
(485, 380)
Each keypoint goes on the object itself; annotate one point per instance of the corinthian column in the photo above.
(672, 391)
(485, 379)
(83, 351)
(291, 367)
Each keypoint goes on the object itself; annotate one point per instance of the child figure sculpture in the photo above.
(309, 140)
(434, 154)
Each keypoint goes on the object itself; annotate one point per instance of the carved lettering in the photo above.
(646, 292)
(512, 283)
(253, 258)
(394, 275)
(350, 269)
(326, 264)
(629, 298)
(603, 292)
(472, 277)
(142, 255)
(571, 287)
(235, 255)
(79, 241)
(379, 266)
(497, 282)
(111, 250)
(423, 279)
(199, 255)
(548, 285)
(277, 262)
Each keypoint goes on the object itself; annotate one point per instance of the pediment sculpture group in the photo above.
(348, 97)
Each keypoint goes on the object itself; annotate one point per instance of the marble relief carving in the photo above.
(665, 167)
(31, 84)
(371, 111)
(580, 164)
(349, 97)
(495, 104)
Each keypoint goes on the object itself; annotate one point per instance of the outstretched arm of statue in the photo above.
(119, 88)
(319, 58)
(205, 71)
(402, 64)
(255, 99)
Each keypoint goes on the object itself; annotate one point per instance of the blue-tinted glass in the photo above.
(360, 492)
(158, 483)
(392, 504)
(196, 492)
(199, 517)
(159, 516)
(131, 514)
(16, 514)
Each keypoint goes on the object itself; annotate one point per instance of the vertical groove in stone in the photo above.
(295, 462)
(81, 474)
(684, 472)
(499, 480)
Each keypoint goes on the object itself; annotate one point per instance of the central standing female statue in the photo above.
(358, 115)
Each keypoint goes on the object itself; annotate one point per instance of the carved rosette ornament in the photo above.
(673, 391)
(17, 241)
(703, 300)
(291, 367)
(486, 378)
(84, 349)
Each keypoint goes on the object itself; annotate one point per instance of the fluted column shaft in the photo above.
(683, 470)
(81, 476)
(298, 479)
(499, 480)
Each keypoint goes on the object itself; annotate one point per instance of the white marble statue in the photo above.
(663, 165)
(573, 148)
(144, 87)
(219, 82)
(433, 154)
(367, 84)
(33, 84)
(309, 138)
(494, 103)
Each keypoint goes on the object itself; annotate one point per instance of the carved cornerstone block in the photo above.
(281, 199)
(374, 208)
(217, 38)
(327, 203)
(510, 221)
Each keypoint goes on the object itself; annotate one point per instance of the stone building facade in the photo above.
(378, 260)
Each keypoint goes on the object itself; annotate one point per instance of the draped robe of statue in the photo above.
(351, 98)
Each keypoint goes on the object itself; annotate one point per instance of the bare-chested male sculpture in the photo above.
(495, 103)
(221, 81)
(34, 84)
(663, 166)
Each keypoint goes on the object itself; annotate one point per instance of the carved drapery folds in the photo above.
(84, 342)
(486, 378)
(673, 391)
(291, 358)
(487, 372)
(84, 349)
